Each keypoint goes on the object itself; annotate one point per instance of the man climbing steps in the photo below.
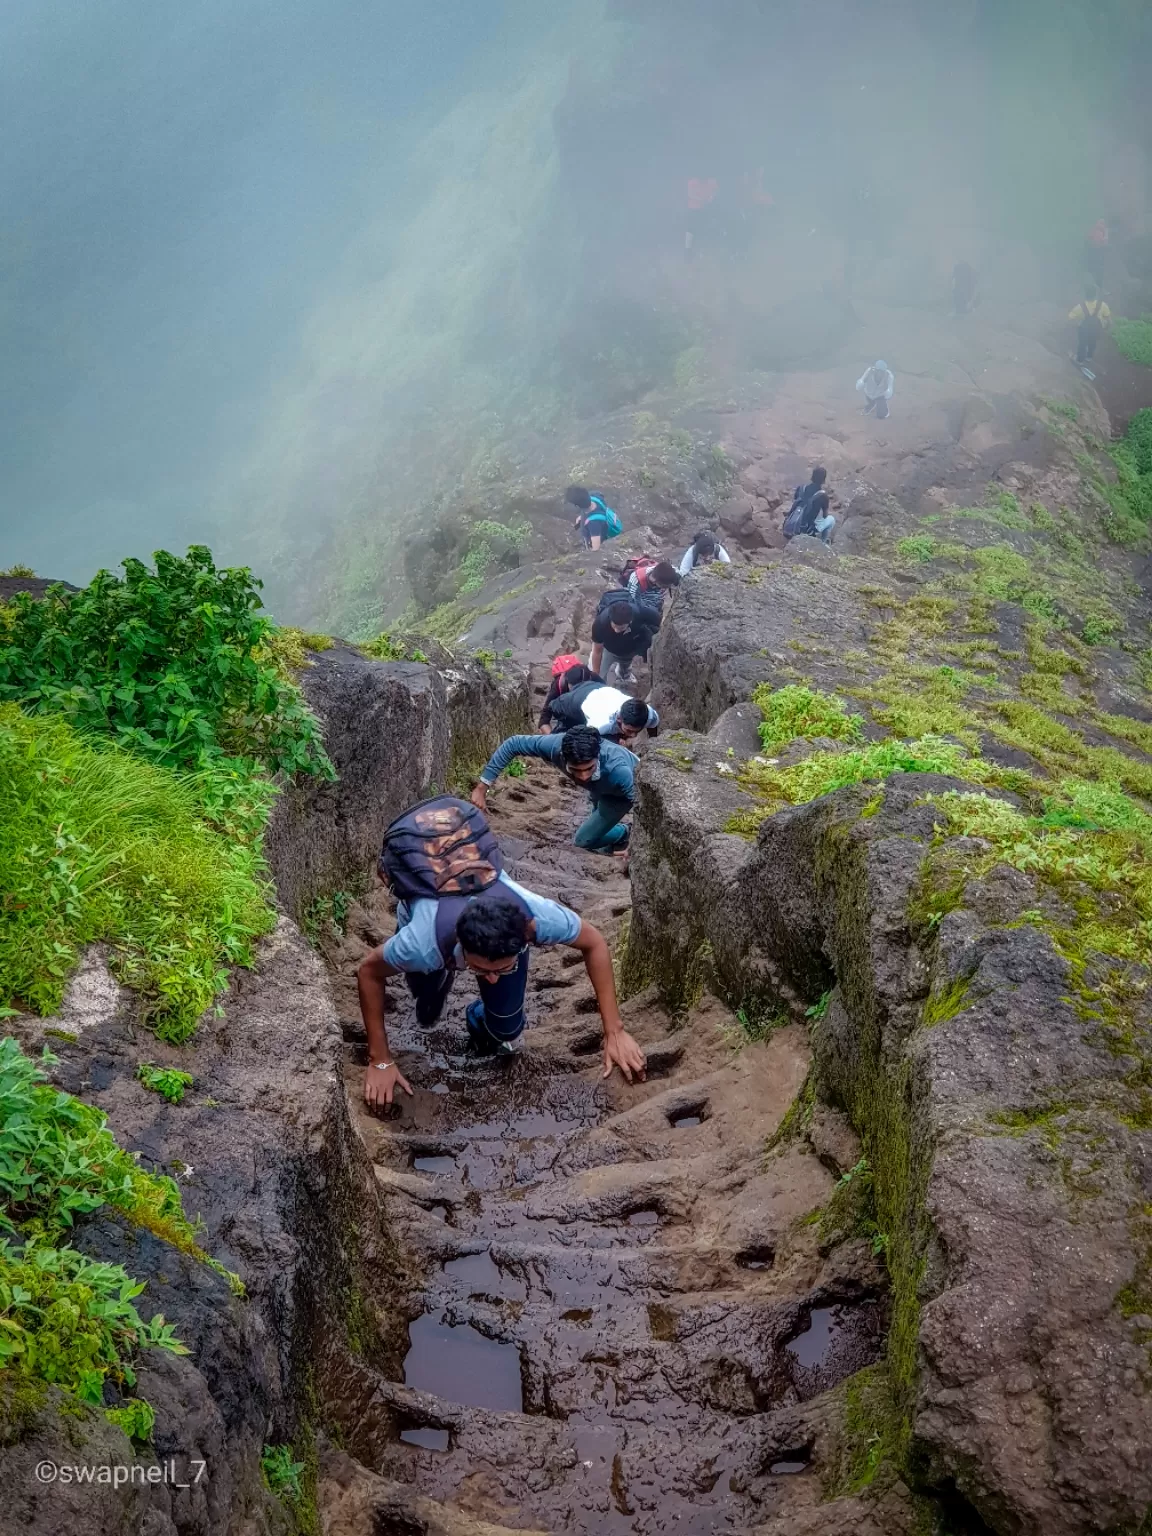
(458, 910)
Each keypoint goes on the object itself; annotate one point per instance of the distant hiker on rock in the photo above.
(1091, 316)
(567, 672)
(615, 714)
(704, 548)
(621, 631)
(595, 519)
(963, 288)
(809, 512)
(877, 382)
(601, 767)
(459, 911)
(647, 579)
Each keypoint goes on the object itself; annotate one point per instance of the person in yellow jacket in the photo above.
(1091, 316)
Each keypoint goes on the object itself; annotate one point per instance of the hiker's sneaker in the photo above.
(625, 674)
(430, 1007)
(481, 1042)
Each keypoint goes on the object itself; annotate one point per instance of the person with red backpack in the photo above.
(458, 910)
(568, 672)
(647, 579)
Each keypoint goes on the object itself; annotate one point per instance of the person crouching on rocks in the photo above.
(621, 631)
(568, 672)
(458, 910)
(704, 548)
(877, 384)
(601, 767)
(615, 714)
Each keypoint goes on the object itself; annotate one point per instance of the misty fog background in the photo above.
(280, 276)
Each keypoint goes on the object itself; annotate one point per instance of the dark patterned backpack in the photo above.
(441, 847)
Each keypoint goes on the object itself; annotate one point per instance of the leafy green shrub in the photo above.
(1134, 339)
(918, 547)
(18, 570)
(281, 1472)
(166, 1081)
(797, 711)
(66, 1319)
(97, 845)
(164, 662)
(328, 911)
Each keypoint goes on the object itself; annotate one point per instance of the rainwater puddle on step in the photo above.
(812, 1347)
(838, 1341)
(459, 1364)
(481, 1274)
(685, 1122)
(425, 1436)
(644, 1224)
(439, 1088)
(755, 1258)
(434, 1164)
(787, 1468)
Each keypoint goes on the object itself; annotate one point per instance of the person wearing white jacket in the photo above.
(877, 382)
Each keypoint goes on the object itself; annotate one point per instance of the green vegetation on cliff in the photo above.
(99, 846)
(166, 662)
(1134, 339)
(66, 1320)
(145, 722)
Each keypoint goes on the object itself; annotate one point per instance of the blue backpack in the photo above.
(612, 523)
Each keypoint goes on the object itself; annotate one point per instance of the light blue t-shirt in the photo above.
(413, 946)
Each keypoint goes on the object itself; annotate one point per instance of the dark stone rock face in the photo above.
(396, 732)
(1012, 1165)
(730, 629)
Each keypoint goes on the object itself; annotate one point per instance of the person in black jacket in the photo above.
(563, 684)
(622, 631)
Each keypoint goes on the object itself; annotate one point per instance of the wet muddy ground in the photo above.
(616, 1296)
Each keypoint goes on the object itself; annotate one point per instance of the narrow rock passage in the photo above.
(618, 1303)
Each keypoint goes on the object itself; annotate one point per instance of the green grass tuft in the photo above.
(97, 845)
(1134, 339)
(168, 1082)
(794, 711)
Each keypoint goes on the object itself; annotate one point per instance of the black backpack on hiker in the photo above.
(441, 847)
(613, 595)
(801, 517)
(443, 850)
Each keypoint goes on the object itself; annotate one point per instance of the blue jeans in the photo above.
(602, 831)
(503, 1000)
(823, 527)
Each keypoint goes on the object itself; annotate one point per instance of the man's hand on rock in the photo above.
(381, 1082)
(620, 1050)
(480, 796)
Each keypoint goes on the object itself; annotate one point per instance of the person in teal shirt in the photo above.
(605, 769)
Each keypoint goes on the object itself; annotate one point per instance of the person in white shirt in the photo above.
(877, 383)
(702, 551)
